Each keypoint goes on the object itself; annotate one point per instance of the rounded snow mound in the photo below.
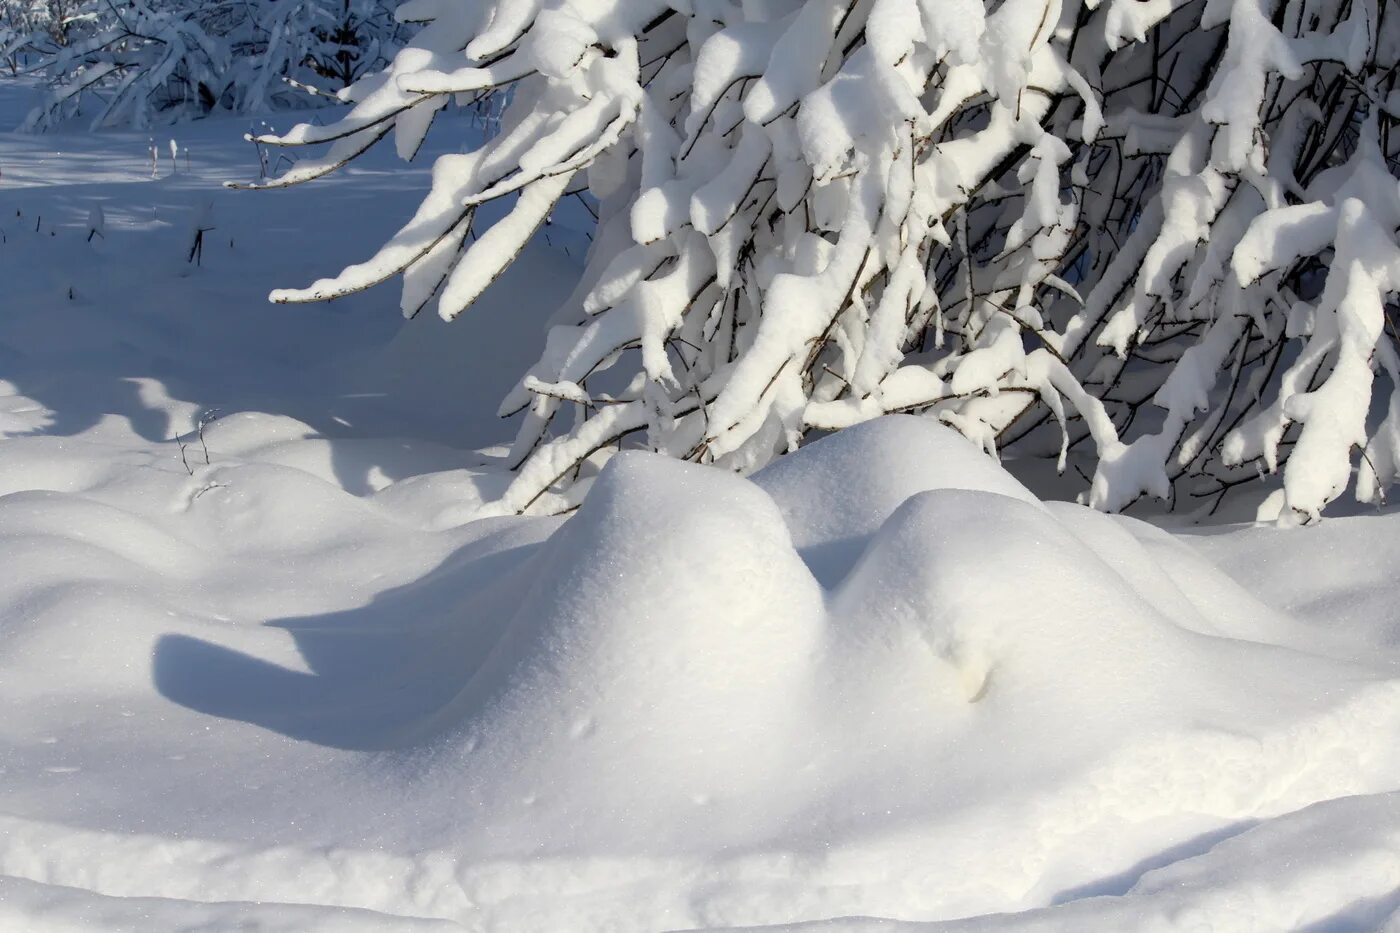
(1049, 628)
(661, 658)
(834, 493)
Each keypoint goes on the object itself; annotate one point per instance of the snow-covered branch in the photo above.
(1166, 228)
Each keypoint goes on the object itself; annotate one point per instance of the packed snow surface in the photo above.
(290, 684)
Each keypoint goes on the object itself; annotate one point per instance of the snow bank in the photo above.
(997, 702)
(673, 660)
(27, 905)
(879, 679)
(1332, 866)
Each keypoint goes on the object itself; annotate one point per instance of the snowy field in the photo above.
(271, 675)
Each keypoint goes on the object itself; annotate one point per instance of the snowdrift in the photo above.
(879, 679)
(991, 684)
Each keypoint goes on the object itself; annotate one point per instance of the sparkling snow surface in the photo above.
(295, 688)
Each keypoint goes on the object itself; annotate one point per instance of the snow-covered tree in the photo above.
(1163, 231)
(140, 62)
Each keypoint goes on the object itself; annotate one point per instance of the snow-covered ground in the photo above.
(289, 685)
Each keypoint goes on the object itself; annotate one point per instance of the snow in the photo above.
(306, 685)
(841, 491)
(1332, 866)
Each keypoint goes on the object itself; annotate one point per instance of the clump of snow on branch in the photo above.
(1159, 233)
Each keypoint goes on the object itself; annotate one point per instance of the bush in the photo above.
(138, 63)
(1164, 231)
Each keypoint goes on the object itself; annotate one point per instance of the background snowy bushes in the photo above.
(140, 62)
(1157, 236)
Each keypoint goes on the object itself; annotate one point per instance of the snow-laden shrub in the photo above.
(141, 62)
(28, 27)
(1162, 228)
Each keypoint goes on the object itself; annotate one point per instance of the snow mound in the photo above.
(995, 696)
(843, 487)
(659, 698)
(1078, 662)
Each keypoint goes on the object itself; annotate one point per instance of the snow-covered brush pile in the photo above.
(1166, 228)
(138, 62)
